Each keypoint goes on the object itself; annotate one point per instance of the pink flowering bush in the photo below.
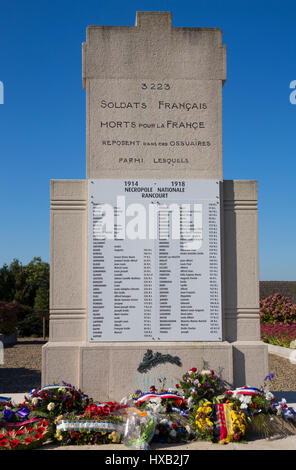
(277, 309)
(278, 320)
(280, 335)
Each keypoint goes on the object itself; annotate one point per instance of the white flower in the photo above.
(190, 401)
(269, 395)
(155, 405)
(173, 433)
(243, 406)
(50, 406)
(62, 389)
(284, 401)
(163, 421)
(188, 429)
(245, 399)
(34, 401)
(205, 372)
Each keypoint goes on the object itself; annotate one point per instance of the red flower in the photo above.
(177, 385)
(14, 443)
(152, 389)
(19, 431)
(28, 440)
(194, 369)
(1, 436)
(178, 401)
(38, 436)
(44, 423)
(3, 442)
(40, 430)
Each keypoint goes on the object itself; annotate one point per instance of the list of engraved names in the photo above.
(154, 252)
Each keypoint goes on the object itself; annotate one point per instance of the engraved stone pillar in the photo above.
(135, 78)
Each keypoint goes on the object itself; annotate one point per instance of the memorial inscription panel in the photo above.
(154, 260)
(150, 125)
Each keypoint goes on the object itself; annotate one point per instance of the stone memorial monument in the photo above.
(154, 257)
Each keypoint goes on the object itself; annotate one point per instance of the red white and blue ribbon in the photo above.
(150, 396)
(5, 400)
(250, 391)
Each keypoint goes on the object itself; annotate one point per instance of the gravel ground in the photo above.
(21, 370)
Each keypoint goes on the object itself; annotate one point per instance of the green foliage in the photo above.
(31, 326)
(21, 283)
(7, 284)
(8, 319)
(24, 288)
(41, 299)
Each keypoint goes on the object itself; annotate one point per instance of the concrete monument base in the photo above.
(109, 371)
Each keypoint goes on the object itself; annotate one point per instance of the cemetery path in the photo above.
(21, 370)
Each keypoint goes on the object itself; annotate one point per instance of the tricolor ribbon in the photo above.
(251, 391)
(149, 396)
(5, 400)
(52, 387)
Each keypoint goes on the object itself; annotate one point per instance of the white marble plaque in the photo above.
(154, 260)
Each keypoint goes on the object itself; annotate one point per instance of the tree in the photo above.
(21, 283)
(7, 284)
(41, 299)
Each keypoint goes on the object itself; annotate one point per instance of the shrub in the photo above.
(31, 326)
(8, 319)
(278, 334)
(277, 309)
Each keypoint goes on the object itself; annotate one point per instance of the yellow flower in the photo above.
(114, 437)
(58, 435)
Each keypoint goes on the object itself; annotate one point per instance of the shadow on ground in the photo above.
(16, 380)
(288, 395)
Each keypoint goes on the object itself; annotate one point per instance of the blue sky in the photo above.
(42, 120)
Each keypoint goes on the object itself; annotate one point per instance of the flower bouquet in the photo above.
(220, 422)
(55, 400)
(264, 416)
(29, 435)
(80, 430)
(139, 429)
(171, 429)
(199, 387)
